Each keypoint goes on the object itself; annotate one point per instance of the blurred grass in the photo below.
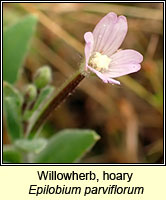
(59, 43)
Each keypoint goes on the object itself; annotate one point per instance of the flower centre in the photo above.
(99, 62)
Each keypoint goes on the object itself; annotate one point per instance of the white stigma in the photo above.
(99, 62)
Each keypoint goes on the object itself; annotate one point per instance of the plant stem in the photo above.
(63, 92)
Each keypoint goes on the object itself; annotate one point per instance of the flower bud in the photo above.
(42, 77)
(30, 92)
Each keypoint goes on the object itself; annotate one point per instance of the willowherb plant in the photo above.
(102, 58)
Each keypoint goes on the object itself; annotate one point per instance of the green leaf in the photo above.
(12, 101)
(11, 155)
(10, 91)
(44, 94)
(39, 106)
(34, 146)
(67, 146)
(16, 40)
(13, 119)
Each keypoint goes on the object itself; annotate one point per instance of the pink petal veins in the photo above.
(124, 62)
(103, 29)
(122, 69)
(116, 36)
(126, 56)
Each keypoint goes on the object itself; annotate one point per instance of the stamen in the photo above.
(99, 62)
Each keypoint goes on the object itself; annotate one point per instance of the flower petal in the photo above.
(122, 69)
(113, 81)
(116, 36)
(104, 78)
(103, 29)
(124, 62)
(88, 36)
(125, 57)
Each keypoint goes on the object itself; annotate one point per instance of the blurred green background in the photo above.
(128, 117)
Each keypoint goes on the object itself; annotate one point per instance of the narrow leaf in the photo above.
(12, 103)
(45, 93)
(40, 104)
(67, 146)
(16, 40)
(13, 118)
(11, 91)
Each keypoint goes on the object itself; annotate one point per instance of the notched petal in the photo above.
(116, 36)
(103, 29)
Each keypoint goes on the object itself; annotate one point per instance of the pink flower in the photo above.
(101, 50)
